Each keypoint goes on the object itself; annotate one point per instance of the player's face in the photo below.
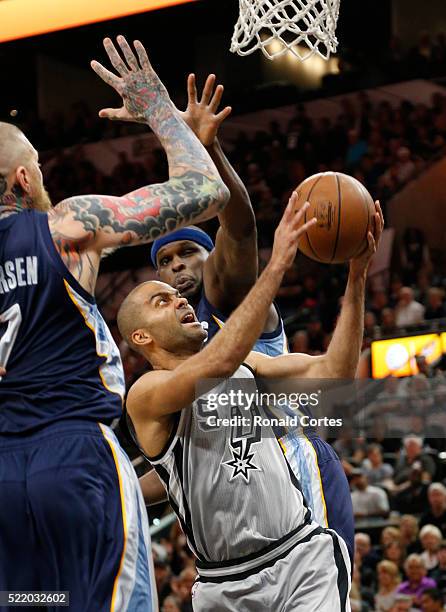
(171, 321)
(180, 264)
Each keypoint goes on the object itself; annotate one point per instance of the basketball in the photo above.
(344, 210)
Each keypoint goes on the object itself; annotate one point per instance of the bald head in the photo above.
(21, 181)
(15, 148)
(130, 315)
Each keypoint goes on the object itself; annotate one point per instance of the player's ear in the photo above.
(141, 337)
(22, 179)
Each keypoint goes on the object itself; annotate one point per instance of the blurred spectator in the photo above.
(367, 500)
(414, 254)
(408, 311)
(395, 552)
(436, 514)
(375, 469)
(402, 603)
(171, 604)
(417, 581)
(409, 533)
(388, 580)
(411, 497)
(432, 601)
(439, 572)
(436, 308)
(430, 537)
(413, 453)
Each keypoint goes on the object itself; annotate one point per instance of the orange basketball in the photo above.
(344, 210)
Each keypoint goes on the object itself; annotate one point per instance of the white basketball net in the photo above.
(291, 23)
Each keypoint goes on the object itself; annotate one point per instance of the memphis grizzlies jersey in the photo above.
(270, 343)
(230, 485)
(60, 359)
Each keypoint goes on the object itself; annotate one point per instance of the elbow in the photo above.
(337, 368)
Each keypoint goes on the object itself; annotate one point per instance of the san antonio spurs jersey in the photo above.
(231, 486)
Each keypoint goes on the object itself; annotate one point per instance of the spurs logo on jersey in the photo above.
(241, 442)
(243, 432)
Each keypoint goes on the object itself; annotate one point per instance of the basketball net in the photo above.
(291, 23)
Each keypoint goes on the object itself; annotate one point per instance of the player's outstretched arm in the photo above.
(342, 356)
(232, 267)
(162, 393)
(193, 193)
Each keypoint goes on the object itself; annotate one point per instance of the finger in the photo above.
(208, 89)
(378, 224)
(191, 89)
(306, 226)
(289, 210)
(111, 113)
(107, 76)
(379, 209)
(216, 98)
(372, 243)
(223, 114)
(301, 213)
(115, 58)
(142, 55)
(128, 53)
(2, 371)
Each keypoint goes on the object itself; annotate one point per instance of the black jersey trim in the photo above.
(257, 555)
(165, 478)
(188, 530)
(258, 568)
(342, 572)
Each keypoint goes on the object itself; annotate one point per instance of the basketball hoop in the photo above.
(263, 23)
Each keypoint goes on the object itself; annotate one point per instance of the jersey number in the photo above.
(13, 317)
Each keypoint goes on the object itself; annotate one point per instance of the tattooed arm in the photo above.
(85, 225)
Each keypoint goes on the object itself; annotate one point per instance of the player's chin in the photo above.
(194, 330)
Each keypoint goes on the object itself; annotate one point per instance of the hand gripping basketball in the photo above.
(288, 233)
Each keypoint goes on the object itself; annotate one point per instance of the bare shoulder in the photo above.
(144, 387)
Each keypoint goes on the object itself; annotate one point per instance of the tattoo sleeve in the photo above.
(194, 192)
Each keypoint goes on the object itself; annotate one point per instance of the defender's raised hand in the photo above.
(201, 116)
(138, 84)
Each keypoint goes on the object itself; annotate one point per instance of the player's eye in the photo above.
(188, 251)
(164, 261)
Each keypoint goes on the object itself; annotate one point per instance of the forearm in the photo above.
(233, 343)
(343, 353)
(238, 218)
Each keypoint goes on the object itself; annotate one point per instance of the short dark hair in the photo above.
(434, 594)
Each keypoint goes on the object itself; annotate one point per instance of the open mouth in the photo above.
(187, 318)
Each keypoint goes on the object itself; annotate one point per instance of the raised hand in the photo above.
(288, 232)
(138, 84)
(201, 116)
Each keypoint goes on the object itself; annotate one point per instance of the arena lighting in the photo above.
(396, 356)
(23, 18)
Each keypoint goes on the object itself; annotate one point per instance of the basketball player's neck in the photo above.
(13, 199)
(163, 360)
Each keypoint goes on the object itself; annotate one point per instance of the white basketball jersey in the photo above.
(230, 486)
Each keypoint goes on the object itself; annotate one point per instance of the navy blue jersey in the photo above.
(60, 357)
(270, 343)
